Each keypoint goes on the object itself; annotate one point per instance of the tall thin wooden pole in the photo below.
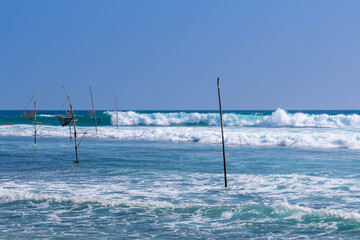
(35, 113)
(74, 120)
(222, 131)
(117, 114)
(92, 103)
(69, 126)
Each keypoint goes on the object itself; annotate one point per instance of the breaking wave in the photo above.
(279, 128)
(279, 118)
(266, 119)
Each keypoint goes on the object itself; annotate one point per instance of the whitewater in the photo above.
(278, 128)
(159, 175)
(278, 118)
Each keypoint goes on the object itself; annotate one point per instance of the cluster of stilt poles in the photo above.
(66, 119)
(70, 117)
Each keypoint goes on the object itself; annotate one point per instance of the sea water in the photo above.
(159, 175)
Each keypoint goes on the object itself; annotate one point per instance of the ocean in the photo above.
(159, 175)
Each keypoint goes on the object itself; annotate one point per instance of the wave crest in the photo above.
(279, 118)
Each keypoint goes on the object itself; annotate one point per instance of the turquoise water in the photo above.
(160, 176)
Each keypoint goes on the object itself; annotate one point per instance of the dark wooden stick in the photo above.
(70, 131)
(92, 103)
(74, 120)
(69, 125)
(35, 114)
(222, 131)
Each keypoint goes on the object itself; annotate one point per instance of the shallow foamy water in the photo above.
(161, 189)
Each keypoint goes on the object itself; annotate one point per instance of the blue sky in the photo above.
(168, 54)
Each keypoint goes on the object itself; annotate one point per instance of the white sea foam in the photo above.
(46, 115)
(278, 118)
(286, 137)
(324, 212)
(197, 201)
(276, 192)
(163, 119)
(112, 191)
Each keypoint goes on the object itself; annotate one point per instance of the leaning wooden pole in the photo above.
(92, 103)
(222, 131)
(117, 114)
(74, 120)
(69, 125)
(35, 114)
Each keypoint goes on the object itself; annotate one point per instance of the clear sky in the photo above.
(167, 54)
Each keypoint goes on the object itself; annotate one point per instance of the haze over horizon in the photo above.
(166, 55)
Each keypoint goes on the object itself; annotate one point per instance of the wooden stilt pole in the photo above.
(69, 127)
(117, 114)
(75, 133)
(32, 115)
(222, 131)
(92, 103)
(35, 114)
